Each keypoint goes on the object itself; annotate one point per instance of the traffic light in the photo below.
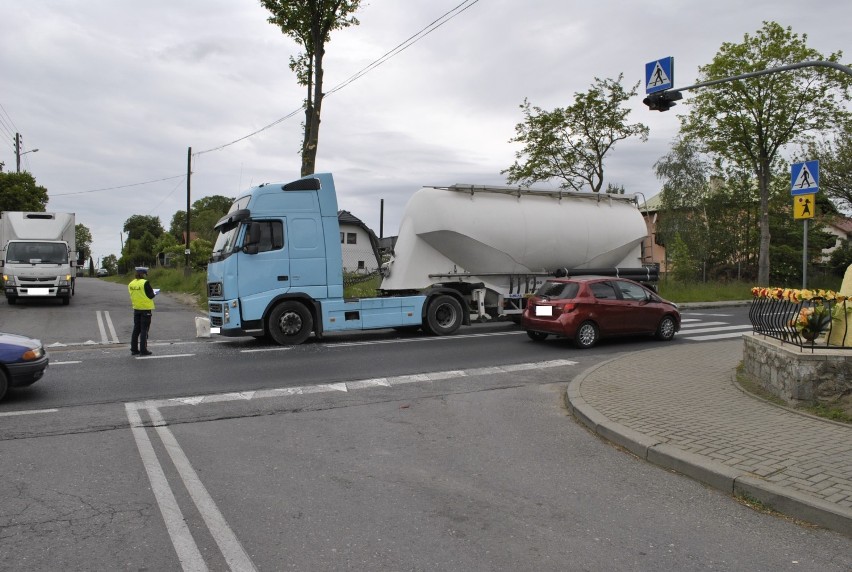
(662, 100)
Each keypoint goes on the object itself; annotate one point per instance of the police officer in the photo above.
(142, 299)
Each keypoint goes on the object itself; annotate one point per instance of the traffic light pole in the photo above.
(663, 100)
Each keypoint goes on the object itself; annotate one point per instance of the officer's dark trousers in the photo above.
(141, 325)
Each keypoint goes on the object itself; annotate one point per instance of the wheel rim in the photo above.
(586, 334)
(445, 315)
(667, 328)
(290, 323)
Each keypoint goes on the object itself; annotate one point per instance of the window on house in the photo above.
(351, 238)
(360, 265)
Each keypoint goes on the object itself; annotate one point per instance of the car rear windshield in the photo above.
(558, 290)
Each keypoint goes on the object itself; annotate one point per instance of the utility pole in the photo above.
(18, 151)
(187, 270)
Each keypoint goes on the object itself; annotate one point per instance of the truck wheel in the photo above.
(12, 300)
(289, 323)
(4, 383)
(443, 316)
(66, 300)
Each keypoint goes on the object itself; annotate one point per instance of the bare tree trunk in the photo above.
(312, 115)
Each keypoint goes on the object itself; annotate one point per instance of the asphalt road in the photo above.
(360, 452)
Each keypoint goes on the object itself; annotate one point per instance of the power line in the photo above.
(119, 187)
(443, 19)
(425, 31)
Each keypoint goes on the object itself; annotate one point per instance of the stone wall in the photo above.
(797, 375)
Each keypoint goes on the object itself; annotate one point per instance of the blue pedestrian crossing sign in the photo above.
(659, 75)
(804, 178)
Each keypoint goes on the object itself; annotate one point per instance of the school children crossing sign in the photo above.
(659, 75)
(804, 178)
(803, 206)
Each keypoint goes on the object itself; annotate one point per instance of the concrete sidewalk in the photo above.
(679, 407)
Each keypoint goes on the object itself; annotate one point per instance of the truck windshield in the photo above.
(36, 253)
(225, 242)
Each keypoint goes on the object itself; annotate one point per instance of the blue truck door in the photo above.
(266, 274)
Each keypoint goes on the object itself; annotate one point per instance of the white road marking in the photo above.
(64, 362)
(165, 356)
(185, 546)
(706, 324)
(349, 385)
(111, 328)
(229, 545)
(281, 349)
(27, 412)
(716, 336)
(716, 329)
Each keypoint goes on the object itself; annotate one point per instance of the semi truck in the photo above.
(38, 255)
(463, 252)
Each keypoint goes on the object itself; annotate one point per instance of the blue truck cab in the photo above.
(277, 272)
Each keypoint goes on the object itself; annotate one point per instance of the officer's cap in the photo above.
(141, 270)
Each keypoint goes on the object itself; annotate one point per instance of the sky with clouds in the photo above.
(113, 93)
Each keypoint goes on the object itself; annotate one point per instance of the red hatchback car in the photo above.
(588, 308)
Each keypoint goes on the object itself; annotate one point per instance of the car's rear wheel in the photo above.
(537, 336)
(666, 329)
(587, 335)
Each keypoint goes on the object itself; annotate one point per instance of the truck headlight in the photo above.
(9, 280)
(65, 282)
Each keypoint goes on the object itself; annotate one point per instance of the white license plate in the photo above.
(38, 291)
(214, 329)
(544, 310)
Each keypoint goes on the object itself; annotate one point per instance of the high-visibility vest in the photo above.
(138, 298)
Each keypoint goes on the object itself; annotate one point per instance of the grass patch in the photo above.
(683, 292)
(834, 412)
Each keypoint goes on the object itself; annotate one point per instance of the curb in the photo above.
(712, 473)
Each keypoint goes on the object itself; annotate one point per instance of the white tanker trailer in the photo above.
(496, 245)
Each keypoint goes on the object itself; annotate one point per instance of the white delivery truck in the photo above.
(38, 255)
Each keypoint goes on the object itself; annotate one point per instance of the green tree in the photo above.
(749, 122)
(570, 144)
(835, 166)
(83, 238)
(110, 262)
(204, 214)
(310, 23)
(137, 225)
(19, 192)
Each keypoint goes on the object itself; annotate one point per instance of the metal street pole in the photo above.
(186, 270)
(805, 258)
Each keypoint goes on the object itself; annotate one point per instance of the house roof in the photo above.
(346, 217)
(653, 204)
(843, 224)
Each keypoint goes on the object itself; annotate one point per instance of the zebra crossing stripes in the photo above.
(696, 328)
